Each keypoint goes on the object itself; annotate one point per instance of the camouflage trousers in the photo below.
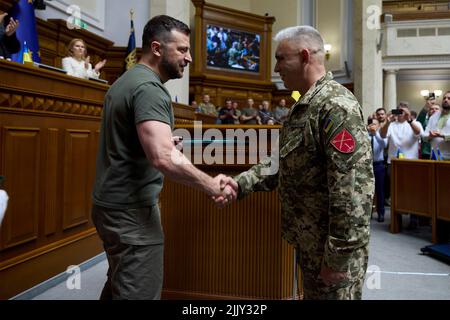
(349, 289)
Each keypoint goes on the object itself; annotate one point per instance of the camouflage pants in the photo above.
(314, 289)
(349, 289)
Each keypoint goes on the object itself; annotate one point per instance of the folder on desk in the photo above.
(47, 67)
(98, 80)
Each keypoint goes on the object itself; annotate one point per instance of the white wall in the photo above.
(116, 21)
(410, 91)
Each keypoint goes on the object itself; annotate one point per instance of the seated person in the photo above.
(77, 64)
(8, 40)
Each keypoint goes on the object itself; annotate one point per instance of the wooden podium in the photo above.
(232, 253)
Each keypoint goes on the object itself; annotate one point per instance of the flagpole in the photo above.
(131, 14)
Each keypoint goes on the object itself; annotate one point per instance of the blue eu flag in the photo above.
(24, 12)
(130, 59)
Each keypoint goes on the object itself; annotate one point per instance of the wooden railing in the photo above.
(420, 187)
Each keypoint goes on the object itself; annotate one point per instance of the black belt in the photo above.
(378, 162)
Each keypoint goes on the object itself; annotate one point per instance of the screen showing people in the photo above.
(232, 49)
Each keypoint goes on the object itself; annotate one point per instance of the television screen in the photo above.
(232, 49)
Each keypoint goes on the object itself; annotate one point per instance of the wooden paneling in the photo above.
(51, 181)
(21, 147)
(231, 253)
(76, 178)
(47, 153)
(236, 252)
(412, 197)
(27, 270)
(428, 198)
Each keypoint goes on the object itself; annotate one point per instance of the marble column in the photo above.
(367, 58)
(179, 9)
(390, 89)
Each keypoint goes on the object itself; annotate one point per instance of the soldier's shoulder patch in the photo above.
(344, 141)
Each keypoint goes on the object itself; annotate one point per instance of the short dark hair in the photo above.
(159, 27)
(380, 109)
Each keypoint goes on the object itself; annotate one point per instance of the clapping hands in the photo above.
(12, 25)
(100, 65)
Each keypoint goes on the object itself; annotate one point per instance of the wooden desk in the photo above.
(49, 126)
(231, 253)
(420, 187)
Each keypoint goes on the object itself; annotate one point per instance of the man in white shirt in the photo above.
(438, 129)
(403, 134)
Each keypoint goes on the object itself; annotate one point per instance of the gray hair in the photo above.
(307, 36)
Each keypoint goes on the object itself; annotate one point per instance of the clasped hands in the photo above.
(225, 190)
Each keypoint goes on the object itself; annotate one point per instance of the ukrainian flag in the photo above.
(23, 11)
(130, 59)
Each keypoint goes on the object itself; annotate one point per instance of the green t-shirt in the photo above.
(249, 112)
(124, 177)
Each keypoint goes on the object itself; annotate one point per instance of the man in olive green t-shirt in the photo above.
(250, 114)
(136, 148)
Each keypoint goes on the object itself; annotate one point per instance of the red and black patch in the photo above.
(344, 142)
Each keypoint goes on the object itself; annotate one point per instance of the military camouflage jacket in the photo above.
(325, 179)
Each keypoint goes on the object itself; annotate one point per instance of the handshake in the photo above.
(224, 190)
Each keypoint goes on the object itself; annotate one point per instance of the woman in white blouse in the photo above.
(77, 64)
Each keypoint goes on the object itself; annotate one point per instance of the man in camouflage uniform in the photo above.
(207, 107)
(325, 178)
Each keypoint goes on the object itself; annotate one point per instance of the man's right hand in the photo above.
(228, 190)
(372, 128)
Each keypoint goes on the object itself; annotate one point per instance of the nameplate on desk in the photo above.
(98, 80)
(47, 67)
